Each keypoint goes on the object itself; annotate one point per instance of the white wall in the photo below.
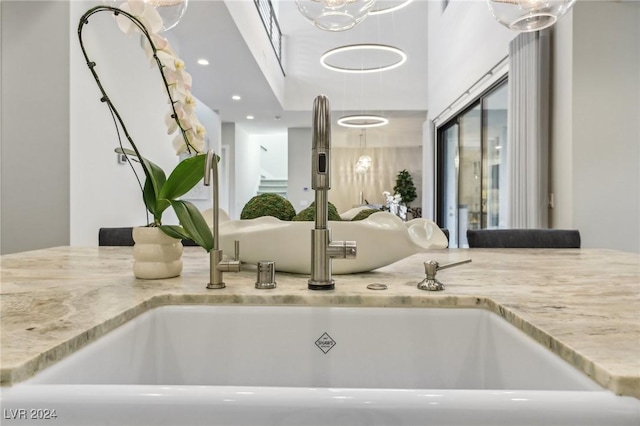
(251, 27)
(229, 140)
(428, 192)
(35, 125)
(244, 166)
(299, 188)
(561, 144)
(247, 169)
(595, 150)
(464, 43)
(274, 158)
(606, 109)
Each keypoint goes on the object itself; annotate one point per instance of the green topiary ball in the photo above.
(268, 205)
(309, 214)
(363, 214)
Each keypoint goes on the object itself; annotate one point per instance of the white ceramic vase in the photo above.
(156, 255)
(382, 238)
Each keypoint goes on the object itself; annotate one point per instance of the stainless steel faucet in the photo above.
(322, 248)
(216, 264)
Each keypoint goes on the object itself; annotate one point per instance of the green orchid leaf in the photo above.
(126, 151)
(175, 231)
(185, 176)
(153, 185)
(156, 174)
(155, 205)
(192, 221)
(158, 178)
(150, 199)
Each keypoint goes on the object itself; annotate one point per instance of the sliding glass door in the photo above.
(448, 167)
(494, 157)
(469, 197)
(471, 167)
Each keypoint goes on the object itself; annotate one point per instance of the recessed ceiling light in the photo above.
(381, 58)
(390, 9)
(250, 117)
(203, 61)
(236, 97)
(362, 121)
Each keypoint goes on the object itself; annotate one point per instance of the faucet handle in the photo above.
(266, 278)
(430, 282)
(342, 250)
(351, 249)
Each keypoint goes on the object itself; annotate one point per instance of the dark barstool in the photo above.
(122, 237)
(523, 238)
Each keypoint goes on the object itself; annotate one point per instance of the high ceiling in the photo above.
(208, 30)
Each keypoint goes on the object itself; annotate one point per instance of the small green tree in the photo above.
(405, 187)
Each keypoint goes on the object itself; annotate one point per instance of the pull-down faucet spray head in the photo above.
(321, 144)
(322, 248)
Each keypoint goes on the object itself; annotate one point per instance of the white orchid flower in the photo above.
(196, 137)
(196, 141)
(194, 131)
(145, 13)
(161, 44)
(188, 123)
(183, 119)
(171, 61)
(178, 90)
(179, 144)
(186, 104)
(186, 79)
(178, 80)
(171, 122)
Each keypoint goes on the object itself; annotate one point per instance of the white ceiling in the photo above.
(208, 30)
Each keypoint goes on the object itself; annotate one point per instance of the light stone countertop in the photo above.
(584, 305)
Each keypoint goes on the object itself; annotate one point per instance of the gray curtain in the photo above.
(528, 134)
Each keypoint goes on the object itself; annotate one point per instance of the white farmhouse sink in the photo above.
(307, 366)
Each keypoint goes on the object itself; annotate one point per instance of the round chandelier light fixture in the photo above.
(528, 15)
(361, 169)
(362, 121)
(364, 161)
(372, 58)
(170, 11)
(399, 4)
(335, 15)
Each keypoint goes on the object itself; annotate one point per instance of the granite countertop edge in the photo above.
(619, 385)
(71, 296)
